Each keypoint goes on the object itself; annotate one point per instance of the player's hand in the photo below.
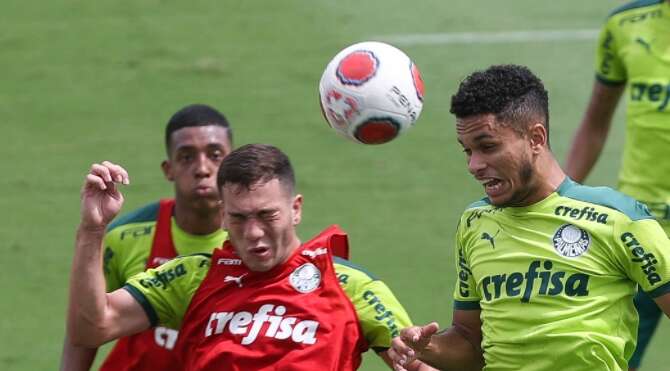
(406, 347)
(100, 197)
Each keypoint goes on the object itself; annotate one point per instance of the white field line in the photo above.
(488, 37)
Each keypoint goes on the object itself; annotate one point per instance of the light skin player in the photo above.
(546, 267)
(260, 213)
(197, 138)
(632, 53)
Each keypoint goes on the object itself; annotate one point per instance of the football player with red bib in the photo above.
(263, 301)
(197, 137)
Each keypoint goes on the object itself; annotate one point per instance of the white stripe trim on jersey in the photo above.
(488, 37)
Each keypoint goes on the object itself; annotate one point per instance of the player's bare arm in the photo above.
(95, 317)
(76, 358)
(456, 348)
(663, 302)
(592, 133)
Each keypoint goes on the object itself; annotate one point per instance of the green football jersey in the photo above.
(165, 294)
(634, 49)
(129, 239)
(555, 280)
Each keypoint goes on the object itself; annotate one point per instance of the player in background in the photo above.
(197, 138)
(546, 267)
(633, 53)
(264, 301)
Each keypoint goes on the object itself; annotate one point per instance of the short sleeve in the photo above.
(165, 292)
(380, 313)
(646, 253)
(111, 263)
(609, 66)
(466, 296)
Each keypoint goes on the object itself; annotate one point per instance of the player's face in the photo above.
(261, 223)
(499, 158)
(195, 154)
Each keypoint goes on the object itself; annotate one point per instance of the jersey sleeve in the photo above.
(645, 253)
(380, 314)
(610, 68)
(466, 296)
(165, 292)
(110, 265)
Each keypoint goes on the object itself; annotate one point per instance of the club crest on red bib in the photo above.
(571, 241)
(357, 68)
(306, 278)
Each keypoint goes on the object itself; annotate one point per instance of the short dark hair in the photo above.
(196, 115)
(511, 92)
(253, 163)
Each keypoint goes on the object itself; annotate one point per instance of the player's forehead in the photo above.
(200, 137)
(261, 196)
(476, 128)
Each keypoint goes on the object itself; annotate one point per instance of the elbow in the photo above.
(86, 335)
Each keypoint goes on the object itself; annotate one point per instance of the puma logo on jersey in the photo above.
(491, 239)
(269, 319)
(314, 253)
(237, 280)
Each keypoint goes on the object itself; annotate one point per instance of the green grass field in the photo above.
(87, 81)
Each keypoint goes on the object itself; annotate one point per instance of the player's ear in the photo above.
(166, 166)
(537, 136)
(296, 209)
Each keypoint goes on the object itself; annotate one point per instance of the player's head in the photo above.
(197, 138)
(260, 206)
(502, 122)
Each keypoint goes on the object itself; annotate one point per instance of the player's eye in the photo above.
(185, 157)
(216, 155)
(268, 215)
(489, 147)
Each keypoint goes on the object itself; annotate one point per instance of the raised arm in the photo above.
(456, 348)
(94, 316)
(592, 133)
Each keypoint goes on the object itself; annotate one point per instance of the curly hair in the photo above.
(512, 93)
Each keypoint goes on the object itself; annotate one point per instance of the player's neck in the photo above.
(550, 176)
(197, 221)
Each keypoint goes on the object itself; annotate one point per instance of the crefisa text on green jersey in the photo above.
(646, 260)
(549, 282)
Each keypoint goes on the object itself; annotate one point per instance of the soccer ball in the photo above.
(371, 92)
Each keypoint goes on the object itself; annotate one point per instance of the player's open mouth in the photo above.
(493, 187)
(260, 252)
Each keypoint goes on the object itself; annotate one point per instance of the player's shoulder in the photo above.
(196, 261)
(635, 7)
(348, 272)
(144, 214)
(605, 197)
(476, 210)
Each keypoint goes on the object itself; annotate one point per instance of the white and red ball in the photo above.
(371, 92)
